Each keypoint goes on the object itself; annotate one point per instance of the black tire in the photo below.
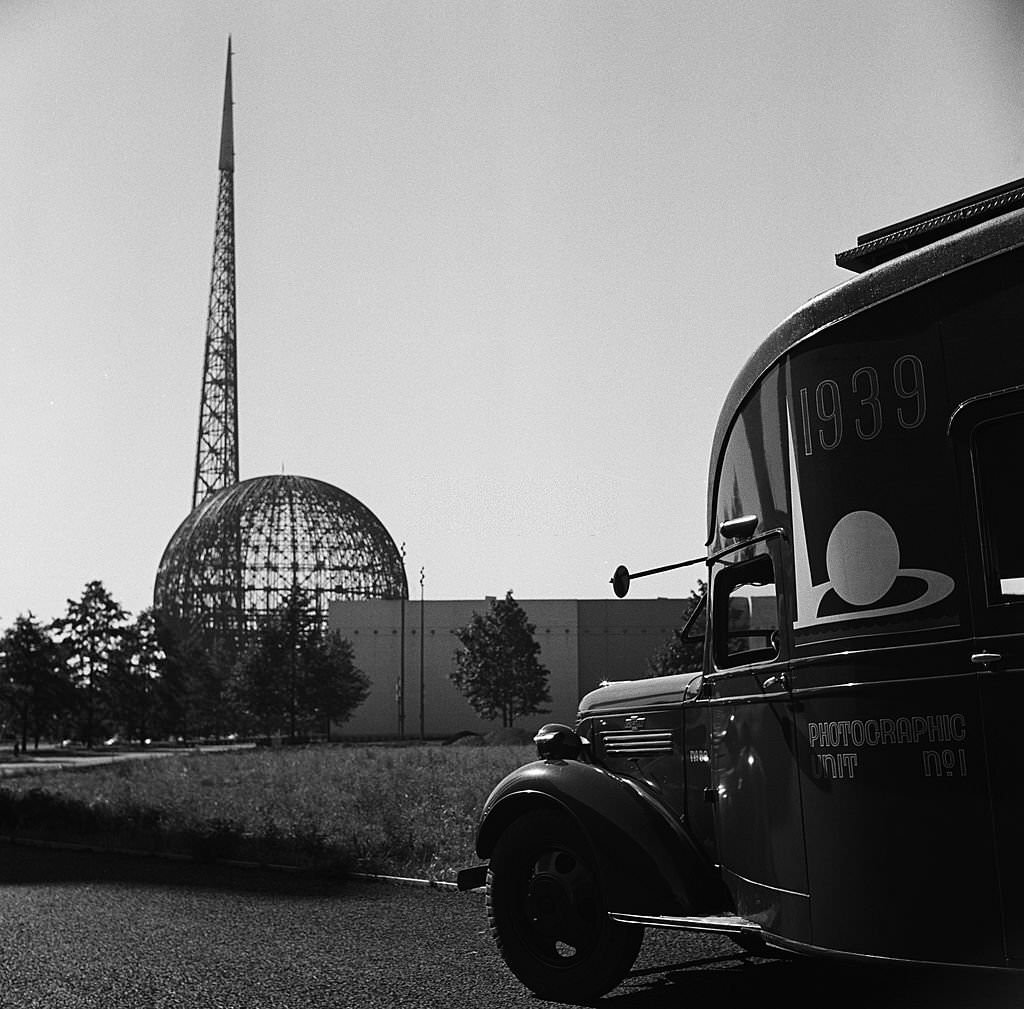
(546, 914)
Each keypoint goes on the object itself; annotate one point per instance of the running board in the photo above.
(726, 924)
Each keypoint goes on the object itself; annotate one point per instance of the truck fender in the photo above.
(647, 860)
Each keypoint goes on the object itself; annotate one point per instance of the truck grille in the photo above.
(636, 744)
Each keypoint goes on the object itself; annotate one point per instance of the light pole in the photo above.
(422, 730)
(401, 657)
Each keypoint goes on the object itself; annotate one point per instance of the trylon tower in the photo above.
(246, 545)
(217, 445)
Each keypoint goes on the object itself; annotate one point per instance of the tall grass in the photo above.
(400, 811)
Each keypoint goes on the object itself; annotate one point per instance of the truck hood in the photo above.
(633, 694)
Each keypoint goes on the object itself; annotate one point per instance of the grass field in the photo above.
(406, 811)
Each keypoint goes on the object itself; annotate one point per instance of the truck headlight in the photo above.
(557, 742)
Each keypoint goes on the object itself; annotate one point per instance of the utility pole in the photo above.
(401, 652)
(422, 729)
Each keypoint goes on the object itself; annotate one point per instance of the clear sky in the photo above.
(498, 261)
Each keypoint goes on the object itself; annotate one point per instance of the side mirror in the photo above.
(740, 528)
(620, 581)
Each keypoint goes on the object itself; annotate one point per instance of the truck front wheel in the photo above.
(545, 911)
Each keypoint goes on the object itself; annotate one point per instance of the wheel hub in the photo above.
(560, 899)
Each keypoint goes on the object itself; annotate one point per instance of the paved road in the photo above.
(82, 930)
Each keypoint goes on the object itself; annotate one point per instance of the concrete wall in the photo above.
(618, 636)
(581, 643)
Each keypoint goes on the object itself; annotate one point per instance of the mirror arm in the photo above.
(621, 579)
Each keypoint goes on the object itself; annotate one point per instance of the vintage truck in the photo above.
(842, 773)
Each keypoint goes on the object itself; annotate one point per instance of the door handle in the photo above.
(779, 680)
(985, 658)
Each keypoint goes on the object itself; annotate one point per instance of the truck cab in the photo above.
(840, 773)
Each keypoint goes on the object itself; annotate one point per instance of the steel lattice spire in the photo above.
(245, 546)
(217, 445)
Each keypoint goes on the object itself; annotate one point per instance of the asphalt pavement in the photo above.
(81, 929)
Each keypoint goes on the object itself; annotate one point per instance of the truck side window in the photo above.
(1000, 479)
(746, 613)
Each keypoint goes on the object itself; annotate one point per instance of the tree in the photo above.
(260, 689)
(334, 686)
(91, 634)
(33, 681)
(183, 669)
(132, 675)
(295, 678)
(497, 669)
(684, 650)
(211, 697)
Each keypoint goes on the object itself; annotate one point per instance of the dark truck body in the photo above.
(846, 755)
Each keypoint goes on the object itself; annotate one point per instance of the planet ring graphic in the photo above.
(862, 559)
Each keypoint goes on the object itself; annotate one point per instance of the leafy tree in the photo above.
(260, 688)
(33, 680)
(334, 686)
(182, 668)
(271, 669)
(295, 678)
(132, 675)
(211, 698)
(194, 693)
(497, 669)
(684, 650)
(91, 633)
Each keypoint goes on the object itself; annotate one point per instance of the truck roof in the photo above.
(989, 224)
(915, 232)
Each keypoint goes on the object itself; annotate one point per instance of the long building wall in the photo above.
(582, 643)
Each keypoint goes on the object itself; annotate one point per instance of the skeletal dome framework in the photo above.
(236, 556)
(245, 545)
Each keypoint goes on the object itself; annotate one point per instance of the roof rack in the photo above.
(887, 243)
